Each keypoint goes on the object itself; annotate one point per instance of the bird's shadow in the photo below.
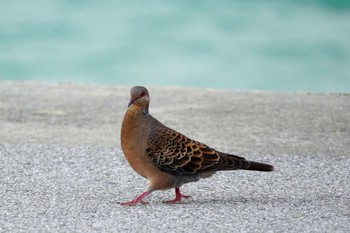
(237, 200)
(208, 201)
(262, 200)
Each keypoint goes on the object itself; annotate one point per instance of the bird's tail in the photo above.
(256, 166)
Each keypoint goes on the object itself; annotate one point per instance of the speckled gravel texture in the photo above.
(62, 169)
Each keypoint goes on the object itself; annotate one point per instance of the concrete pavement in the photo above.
(62, 169)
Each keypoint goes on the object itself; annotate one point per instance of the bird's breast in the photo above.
(134, 137)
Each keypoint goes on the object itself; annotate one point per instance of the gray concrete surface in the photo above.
(62, 169)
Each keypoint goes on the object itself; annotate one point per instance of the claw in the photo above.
(178, 197)
(133, 202)
(136, 200)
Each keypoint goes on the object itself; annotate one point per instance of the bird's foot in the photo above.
(178, 197)
(133, 202)
(136, 200)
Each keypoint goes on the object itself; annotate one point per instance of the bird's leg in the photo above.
(178, 197)
(137, 199)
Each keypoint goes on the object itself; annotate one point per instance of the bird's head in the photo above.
(139, 96)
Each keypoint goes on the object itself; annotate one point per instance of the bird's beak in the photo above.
(131, 102)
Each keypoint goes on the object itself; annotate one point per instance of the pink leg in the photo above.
(178, 197)
(137, 200)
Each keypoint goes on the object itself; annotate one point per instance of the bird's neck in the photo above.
(135, 118)
(138, 110)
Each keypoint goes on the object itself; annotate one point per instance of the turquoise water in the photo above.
(265, 45)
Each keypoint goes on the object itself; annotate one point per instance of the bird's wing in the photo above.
(178, 155)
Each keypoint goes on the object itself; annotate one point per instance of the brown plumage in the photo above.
(167, 158)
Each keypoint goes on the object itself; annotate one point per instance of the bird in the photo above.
(167, 158)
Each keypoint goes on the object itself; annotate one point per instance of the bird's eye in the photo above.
(142, 94)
